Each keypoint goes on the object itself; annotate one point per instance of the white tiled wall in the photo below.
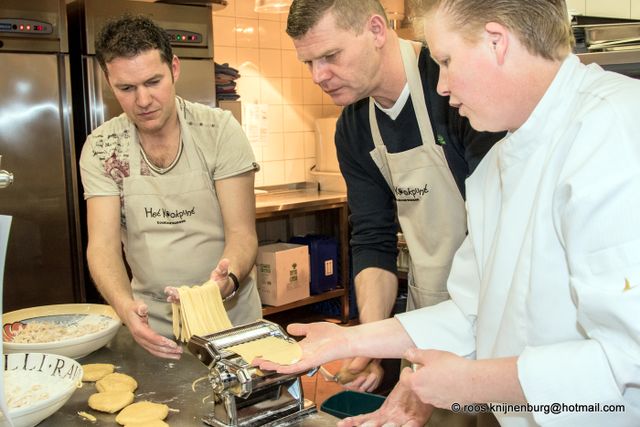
(257, 45)
(609, 8)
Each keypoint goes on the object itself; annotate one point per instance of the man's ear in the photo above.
(497, 37)
(175, 68)
(378, 28)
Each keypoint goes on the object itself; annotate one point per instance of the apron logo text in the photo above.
(169, 217)
(411, 194)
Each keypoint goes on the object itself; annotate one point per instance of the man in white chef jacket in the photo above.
(546, 287)
(169, 181)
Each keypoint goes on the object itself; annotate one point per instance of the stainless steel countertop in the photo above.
(159, 380)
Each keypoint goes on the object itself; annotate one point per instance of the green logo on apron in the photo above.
(440, 140)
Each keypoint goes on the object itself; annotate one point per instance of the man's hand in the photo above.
(442, 378)
(324, 342)
(172, 294)
(360, 374)
(136, 317)
(220, 276)
(401, 408)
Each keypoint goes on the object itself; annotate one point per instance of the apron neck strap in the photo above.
(134, 153)
(189, 149)
(412, 73)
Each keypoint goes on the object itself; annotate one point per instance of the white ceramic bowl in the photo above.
(38, 384)
(70, 316)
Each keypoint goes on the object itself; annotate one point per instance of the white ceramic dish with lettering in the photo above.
(85, 328)
(37, 385)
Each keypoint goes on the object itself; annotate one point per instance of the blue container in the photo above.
(323, 258)
(351, 403)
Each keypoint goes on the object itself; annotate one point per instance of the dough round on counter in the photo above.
(92, 372)
(116, 382)
(275, 349)
(110, 401)
(154, 423)
(142, 413)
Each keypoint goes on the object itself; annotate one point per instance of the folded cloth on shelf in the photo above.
(227, 96)
(225, 77)
(226, 69)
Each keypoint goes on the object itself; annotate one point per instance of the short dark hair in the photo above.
(130, 35)
(349, 14)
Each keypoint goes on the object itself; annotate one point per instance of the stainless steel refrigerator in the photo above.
(43, 262)
(191, 31)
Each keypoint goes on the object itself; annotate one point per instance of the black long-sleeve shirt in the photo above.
(371, 201)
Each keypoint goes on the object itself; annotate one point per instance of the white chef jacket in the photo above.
(554, 236)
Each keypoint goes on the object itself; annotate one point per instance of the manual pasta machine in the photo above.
(245, 395)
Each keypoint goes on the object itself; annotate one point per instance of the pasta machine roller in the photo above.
(245, 395)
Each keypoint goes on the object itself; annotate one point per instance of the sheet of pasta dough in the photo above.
(275, 349)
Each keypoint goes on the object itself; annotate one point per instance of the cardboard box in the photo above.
(283, 273)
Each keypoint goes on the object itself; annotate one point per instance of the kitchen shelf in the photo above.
(330, 212)
(336, 293)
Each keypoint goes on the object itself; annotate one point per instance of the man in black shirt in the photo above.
(404, 153)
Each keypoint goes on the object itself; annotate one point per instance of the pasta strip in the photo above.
(200, 311)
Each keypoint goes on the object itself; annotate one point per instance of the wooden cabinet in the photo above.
(288, 213)
(609, 8)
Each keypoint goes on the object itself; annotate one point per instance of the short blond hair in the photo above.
(543, 26)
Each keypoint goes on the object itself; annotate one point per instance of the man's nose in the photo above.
(443, 84)
(319, 72)
(143, 97)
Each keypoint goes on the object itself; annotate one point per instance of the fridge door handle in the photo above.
(6, 178)
(96, 105)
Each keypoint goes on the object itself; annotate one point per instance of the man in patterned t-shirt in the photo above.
(172, 183)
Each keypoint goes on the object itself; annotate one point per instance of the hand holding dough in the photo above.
(95, 371)
(110, 401)
(116, 382)
(142, 413)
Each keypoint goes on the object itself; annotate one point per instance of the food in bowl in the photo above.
(21, 392)
(37, 385)
(41, 331)
(72, 330)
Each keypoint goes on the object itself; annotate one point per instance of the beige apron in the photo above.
(431, 210)
(175, 236)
